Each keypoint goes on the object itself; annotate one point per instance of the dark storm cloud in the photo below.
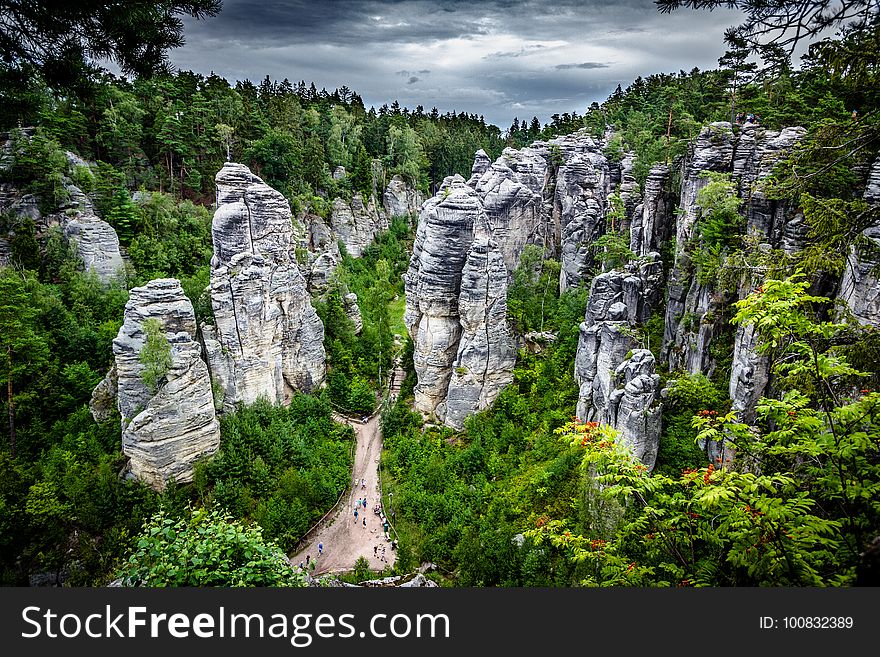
(499, 58)
(583, 65)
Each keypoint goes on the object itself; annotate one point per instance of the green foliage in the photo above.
(720, 223)
(688, 395)
(24, 248)
(362, 570)
(836, 226)
(282, 467)
(533, 295)
(361, 398)
(174, 240)
(462, 500)
(155, 355)
(39, 166)
(802, 518)
(363, 360)
(206, 548)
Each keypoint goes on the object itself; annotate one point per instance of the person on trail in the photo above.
(365, 521)
(365, 502)
(320, 549)
(355, 515)
(375, 550)
(308, 559)
(363, 484)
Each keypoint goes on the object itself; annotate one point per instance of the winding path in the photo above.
(343, 538)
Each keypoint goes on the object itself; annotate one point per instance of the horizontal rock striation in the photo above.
(97, 245)
(400, 199)
(166, 430)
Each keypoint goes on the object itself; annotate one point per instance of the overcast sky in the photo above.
(498, 58)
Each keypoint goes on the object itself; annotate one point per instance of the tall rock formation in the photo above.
(860, 285)
(469, 240)
(96, 243)
(166, 430)
(267, 340)
(617, 379)
(652, 218)
(433, 285)
(694, 316)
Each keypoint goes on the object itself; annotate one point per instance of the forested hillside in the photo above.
(641, 339)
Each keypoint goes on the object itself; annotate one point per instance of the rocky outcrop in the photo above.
(401, 200)
(695, 311)
(97, 245)
(103, 401)
(860, 285)
(617, 382)
(653, 217)
(166, 430)
(267, 340)
(486, 354)
(433, 285)
(468, 243)
(630, 194)
(93, 239)
(580, 203)
(353, 311)
(356, 224)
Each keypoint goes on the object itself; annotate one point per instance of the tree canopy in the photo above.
(60, 40)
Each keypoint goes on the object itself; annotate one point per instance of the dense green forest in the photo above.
(524, 495)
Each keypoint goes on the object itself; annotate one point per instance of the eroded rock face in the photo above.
(617, 382)
(693, 312)
(433, 284)
(859, 286)
(401, 200)
(267, 340)
(103, 400)
(97, 245)
(93, 239)
(470, 238)
(486, 354)
(353, 311)
(355, 224)
(164, 431)
(652, 218)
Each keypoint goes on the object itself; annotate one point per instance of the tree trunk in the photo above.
(10, 403)
(733, 99)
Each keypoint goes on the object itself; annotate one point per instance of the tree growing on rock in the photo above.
(155, 355)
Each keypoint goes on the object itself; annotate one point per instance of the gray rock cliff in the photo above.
(617, 381)
(164, 431)
(267, 340)
(469, 240)
(860, 285)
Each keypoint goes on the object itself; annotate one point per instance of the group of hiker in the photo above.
(303, 565)
(742, 117)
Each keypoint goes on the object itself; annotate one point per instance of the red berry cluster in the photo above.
(708, 474)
